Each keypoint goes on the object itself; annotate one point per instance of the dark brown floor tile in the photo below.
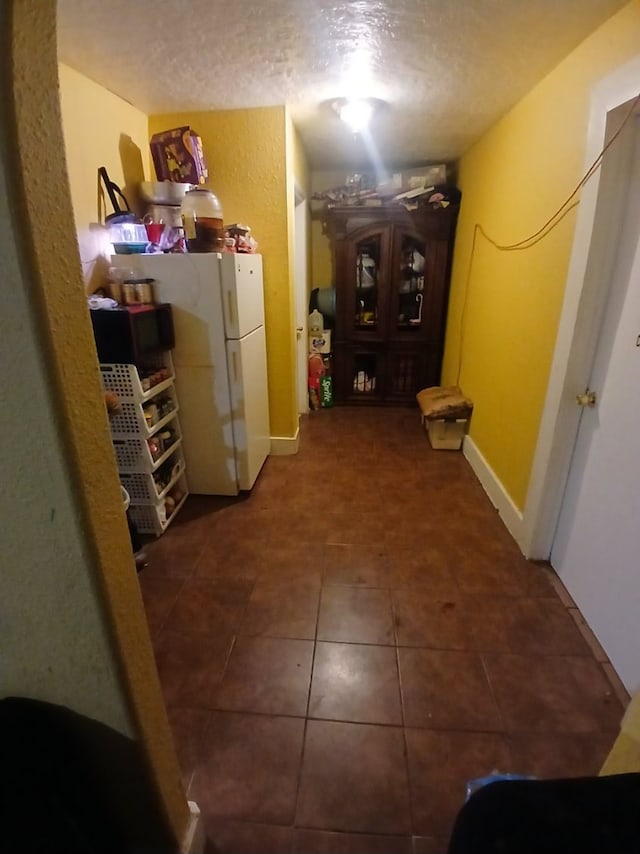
(589, 638)
(210, 607)
(437, 622)
(188, 726)
(430, 845)
(324, 842)
(242, 837)
(249, 768)
(267, 675)
(193, 525)
(552, 694)
(190, 667)
(272, 493)
(537, 579)
(284, 611)
(298, 561)
(561, 591)
(355, 528)
(355, 566)
(175, 558)
(491, 619)
(303, 524)
(547, 755)
(355, 615)
(544, 627)
(241, 559)
(446, 690)
(159, 596)
(355, 683)
(440, 765)
(354, 779)
(531, 626)
(404, 532)
(484, 566)
(425, 569)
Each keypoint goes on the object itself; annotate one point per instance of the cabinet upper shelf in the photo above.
(434, 223)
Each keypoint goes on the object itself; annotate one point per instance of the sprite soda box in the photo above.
(326, 391)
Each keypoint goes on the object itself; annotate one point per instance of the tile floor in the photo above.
(343, 649)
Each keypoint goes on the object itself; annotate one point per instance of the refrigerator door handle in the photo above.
(234, 359)
(232, 322)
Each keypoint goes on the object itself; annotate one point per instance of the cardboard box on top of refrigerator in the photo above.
(178, 156)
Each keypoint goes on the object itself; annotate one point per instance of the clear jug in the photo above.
(202, 220)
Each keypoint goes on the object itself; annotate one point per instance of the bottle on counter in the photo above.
(202, 220)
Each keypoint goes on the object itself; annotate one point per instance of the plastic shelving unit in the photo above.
(152, 518)
(130, 435)
(143, 489)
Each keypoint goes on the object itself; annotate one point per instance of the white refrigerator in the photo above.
(220, 362)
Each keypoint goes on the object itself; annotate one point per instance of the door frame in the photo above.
(602, 204)
(301, 289)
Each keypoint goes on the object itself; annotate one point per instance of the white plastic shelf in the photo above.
(143, 489)
(152, 518)
(129, 420)
(134, 456)
(125, 380)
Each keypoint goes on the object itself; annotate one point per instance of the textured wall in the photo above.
(512, 181)
(321, 262)
(55, 642)
(72, 622)
(100, 129)
(246, 155)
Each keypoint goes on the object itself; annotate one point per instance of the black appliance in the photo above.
(132, 334)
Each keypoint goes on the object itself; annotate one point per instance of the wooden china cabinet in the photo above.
(391, 273)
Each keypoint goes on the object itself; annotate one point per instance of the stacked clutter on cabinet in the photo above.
(147, 440)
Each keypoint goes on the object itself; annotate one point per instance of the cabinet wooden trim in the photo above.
(401, 318)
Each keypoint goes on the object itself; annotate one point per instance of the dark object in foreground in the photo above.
(587, 815)
(72, 785)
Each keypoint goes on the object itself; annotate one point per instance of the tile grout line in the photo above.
(306, 717)
(405, 741)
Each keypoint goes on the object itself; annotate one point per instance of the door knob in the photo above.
(587, 398)
(299, 329)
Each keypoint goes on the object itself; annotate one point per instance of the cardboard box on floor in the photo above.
(445, 412)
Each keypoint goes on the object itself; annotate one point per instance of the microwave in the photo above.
(132, 334)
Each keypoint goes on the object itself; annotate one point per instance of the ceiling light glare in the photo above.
(356, 114)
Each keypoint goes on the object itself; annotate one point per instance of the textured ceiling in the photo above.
(447, 69)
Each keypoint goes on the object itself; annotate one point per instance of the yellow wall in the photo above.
(100, 129)
(245, 152)
(322, 273)
(512, 180)
(74, 630)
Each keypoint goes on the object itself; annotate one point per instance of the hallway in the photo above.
(342, 650)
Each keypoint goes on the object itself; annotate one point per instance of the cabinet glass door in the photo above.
(408, 286)
(366, 309)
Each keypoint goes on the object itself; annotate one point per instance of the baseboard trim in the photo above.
(283, 446)
(193, 839)
(498, 495)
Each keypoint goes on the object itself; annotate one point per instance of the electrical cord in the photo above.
(539, 235)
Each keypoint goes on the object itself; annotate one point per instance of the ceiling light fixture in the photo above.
(356, 113)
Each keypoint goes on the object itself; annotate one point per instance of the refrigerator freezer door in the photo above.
(191, 283)
(248, 383)
(242, 294)
(207, 433)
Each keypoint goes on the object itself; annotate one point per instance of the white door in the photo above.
(596, 549)
(301, 226)
(250, 404)
(242, 293)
